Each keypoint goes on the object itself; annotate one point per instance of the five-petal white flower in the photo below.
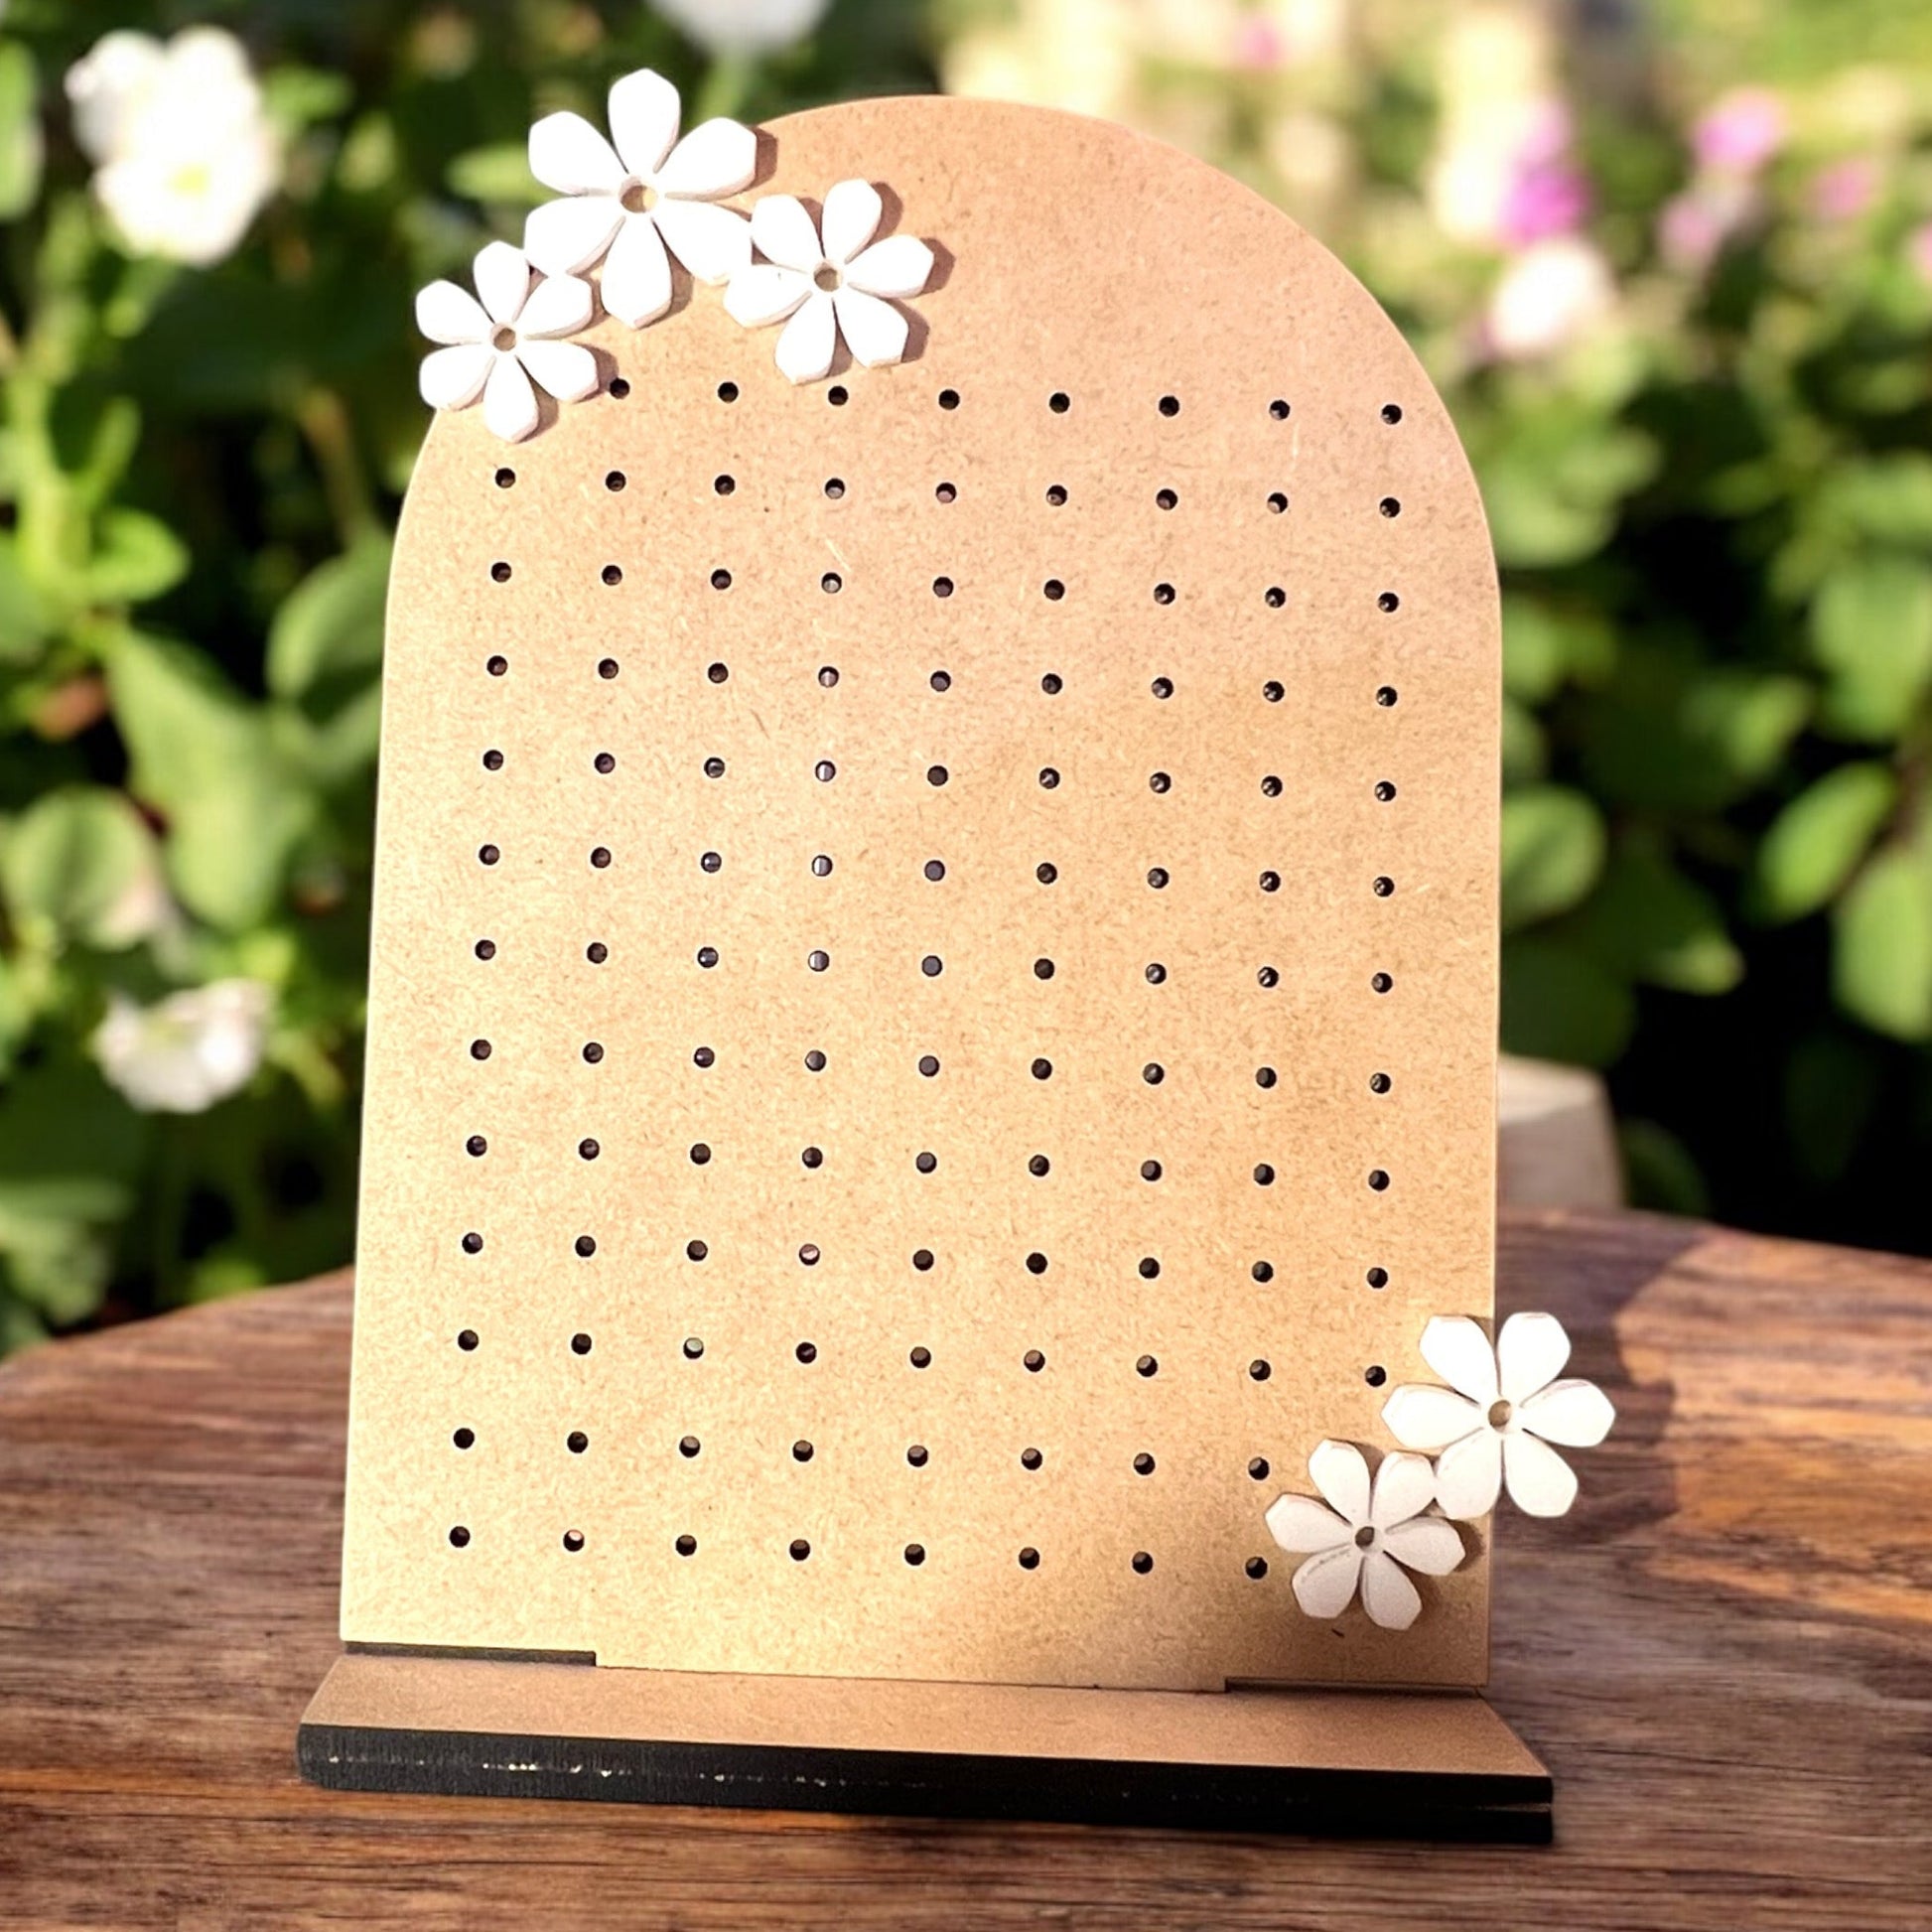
(1372, 1532)
(625, 204)
(1494, 1425)
(185, 1052)
(843, 285)
(496, 348)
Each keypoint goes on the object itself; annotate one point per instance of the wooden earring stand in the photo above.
(931, 1034)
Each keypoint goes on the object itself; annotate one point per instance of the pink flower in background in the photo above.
(1549, 197)
(1690, 233)
(1258, 44)
(1694, 227)
(1844, 190)
(1741, 132)
(1918, 251)
(1548, 194)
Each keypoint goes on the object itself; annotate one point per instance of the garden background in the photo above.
(1671, 265)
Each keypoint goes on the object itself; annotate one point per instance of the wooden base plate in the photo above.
(1358, 1764)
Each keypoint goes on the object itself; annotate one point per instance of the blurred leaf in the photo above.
(20, 1326)
(1560, 1005)
(497, 176)
(83, 862)
(1658, 1170)
(1531, 526)
(1553, 480)
(70, 1145)
(1553, 844)
(1533, 656)
(1881, 946)
(205, 757)
(1648, 923)
(1872, 629)
(296, 97)
(329, 628)
(70, 1151)
(1667, 736)
(136, 557)
(20, 132)
(1815, 842)
(1887, 499)
(1544, 647)
(23, 622)
(1526, 758)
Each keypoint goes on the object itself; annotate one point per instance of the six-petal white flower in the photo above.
(1495, 1422)
(625, 204)
(843, 284)
(496, 348)
(1366, 1535)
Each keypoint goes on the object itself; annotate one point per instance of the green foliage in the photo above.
(199, 471)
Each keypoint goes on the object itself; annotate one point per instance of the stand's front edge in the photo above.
(1361, 1764)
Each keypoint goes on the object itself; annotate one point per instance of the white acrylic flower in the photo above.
(1495, 1422)
(188, 1050)
(186, 153)
(1369, 1534)
(625, 205)
(497, 347)
(843, 285)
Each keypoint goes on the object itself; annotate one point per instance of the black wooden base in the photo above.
(1370, 1763)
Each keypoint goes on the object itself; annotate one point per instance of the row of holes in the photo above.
(923, 1260)
(928, 1064)
(1272, 691)
(837, 489)
(800, 1549)
(1053, 589)
(1058, 401)
(918, 1456)
(1032, 1361)
(1038, 1164)
(1159, 878)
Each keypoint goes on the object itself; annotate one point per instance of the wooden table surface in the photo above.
(1724, 1655)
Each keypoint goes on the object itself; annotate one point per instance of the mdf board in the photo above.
(935, 973)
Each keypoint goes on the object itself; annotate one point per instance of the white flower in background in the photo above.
(188, 1050)
(624, 204)
(743, 26)
(1548, 297)
(497, 347)
(1495, 1422)
(184, 150)
(840, 286)
(1366, 1535)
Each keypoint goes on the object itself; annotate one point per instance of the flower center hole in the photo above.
(1364, 1538)
(827, 277)
(638, 198)
(1498, 1413)
(503, 338)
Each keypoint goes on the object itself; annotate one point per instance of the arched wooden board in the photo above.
(1075, 259)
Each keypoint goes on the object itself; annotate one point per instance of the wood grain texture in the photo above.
(1724, 1655)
